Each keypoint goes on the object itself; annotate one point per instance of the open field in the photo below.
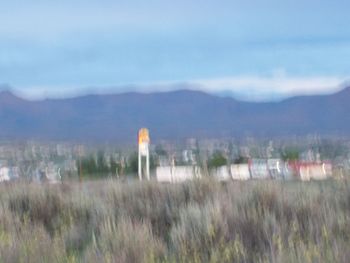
(200, 221)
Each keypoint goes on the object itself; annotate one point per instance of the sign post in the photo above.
(143, 140)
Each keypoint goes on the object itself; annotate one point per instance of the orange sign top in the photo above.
(143, 136)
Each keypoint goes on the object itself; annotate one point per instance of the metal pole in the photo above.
(147, 165)
(139, 166)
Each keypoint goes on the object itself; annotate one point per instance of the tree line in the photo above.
(96, 165)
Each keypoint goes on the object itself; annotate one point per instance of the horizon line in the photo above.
(177, 87)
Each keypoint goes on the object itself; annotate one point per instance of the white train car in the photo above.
(176, 174)
(4, 174)
(275, 168)
(288, 171)
(315, 171)
(221, 173)
(259, 169)
(164, 174)
(184, 173)
(240, 171)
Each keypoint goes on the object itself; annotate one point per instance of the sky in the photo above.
(254, 50)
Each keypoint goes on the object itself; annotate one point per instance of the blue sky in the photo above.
(254, 49)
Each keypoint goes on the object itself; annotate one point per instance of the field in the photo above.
(201, 221)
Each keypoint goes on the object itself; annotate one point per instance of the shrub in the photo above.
(199, 221)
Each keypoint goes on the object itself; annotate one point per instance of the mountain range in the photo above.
(170, 115)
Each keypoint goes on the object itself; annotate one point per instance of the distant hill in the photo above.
(170, 115)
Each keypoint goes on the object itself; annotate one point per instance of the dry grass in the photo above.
(202, 221)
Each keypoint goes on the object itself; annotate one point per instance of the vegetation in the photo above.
(217, 160)
(240, 160)
(132, 164)
(290, 155)
(202, 221)
(96, 166)
(92, 166)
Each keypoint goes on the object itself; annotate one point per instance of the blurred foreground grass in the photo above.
(201, 221)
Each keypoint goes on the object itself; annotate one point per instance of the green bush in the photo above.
(217, 160)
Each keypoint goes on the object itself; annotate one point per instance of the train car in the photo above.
(315, 171)
(292, 169)
(259, 169)
(163, 174)
(4, 174)
(275, 168)
(221, 173)
(176, 174)
(240, 171)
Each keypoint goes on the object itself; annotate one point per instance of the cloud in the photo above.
(249, 88)
(104, 42)
(271, 87)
